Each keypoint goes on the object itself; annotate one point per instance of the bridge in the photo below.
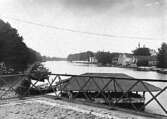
(69, 85)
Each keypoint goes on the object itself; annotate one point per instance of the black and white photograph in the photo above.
(83, 59)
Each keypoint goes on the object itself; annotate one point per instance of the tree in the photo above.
(104, 57)
(13, 51)
(142, 63)
(162, 56)
(83, 56)
(142, 52)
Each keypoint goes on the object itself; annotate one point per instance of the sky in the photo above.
(102, 25)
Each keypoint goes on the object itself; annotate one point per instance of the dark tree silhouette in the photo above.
(13, 51)
(104, 57)
(162, 56)
(142, 52)
(142, 63)
(83, 56)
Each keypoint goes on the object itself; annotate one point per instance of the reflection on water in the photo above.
(64, 67)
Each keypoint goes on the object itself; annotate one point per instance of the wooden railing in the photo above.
(9, 87)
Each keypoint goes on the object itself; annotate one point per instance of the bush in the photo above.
(39, 72)
(23, 86)
(142, 63)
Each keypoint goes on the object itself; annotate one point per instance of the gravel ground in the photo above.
(44, 108)
(41, 111)
(36, 110)
(8, 94)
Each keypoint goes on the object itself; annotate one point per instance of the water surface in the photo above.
(64, 67)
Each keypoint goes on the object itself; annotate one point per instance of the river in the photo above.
(65, 67)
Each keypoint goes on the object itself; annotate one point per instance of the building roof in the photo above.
(95, 84)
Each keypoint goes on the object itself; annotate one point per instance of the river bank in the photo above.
(137, 68)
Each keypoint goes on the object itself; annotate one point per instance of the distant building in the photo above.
(115, 60)
(92, 60)
(126, 59)
(153, 52)
(152, 60)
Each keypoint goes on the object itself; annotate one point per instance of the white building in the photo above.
(126, 59)
(92, 60)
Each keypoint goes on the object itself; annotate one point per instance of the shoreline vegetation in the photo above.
(138, 68)
(15, 55)
(142, 59)
(45, 58)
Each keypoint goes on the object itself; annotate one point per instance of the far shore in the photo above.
(138, 68)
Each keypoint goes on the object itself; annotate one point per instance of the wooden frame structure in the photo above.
(57, 81)
(56, 85)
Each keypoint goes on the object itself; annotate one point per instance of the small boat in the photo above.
(163, 71)
(144, 68)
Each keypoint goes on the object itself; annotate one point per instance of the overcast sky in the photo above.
(129, 21)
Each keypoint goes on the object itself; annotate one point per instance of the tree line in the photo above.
(83, 56)
(105, 58)
(101, 56)
(161, 55)
(47, 58)
(13, 51)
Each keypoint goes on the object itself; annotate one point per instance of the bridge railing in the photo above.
(57, 83)
(8, 85)
(61, 84)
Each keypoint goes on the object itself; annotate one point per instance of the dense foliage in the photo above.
(105, 57)
(142, 52)
(162, 56)
(84, 56)
(39, 72)
(142, 63)
(13, 51)
(47, 58)
(102, 57)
